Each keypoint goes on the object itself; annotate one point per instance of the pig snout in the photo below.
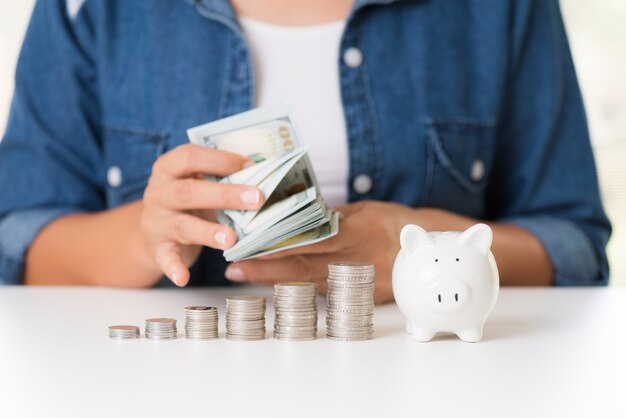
(447, 296)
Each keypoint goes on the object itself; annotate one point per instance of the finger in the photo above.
(171, 264)
(348, 210)
(188, 194)
(190, 230)
(189, 159)
(272, 272)
(295, 268)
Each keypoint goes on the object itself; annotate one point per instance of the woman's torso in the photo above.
(420, 84)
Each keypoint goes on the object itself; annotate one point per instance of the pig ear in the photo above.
(478, 236)
(412, 237)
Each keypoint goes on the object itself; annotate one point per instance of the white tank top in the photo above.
(298, 66)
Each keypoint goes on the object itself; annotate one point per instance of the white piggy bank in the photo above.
(445, 282)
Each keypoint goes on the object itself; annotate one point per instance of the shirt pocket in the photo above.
(129, 154)
(461, 153)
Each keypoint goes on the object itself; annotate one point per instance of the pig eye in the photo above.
(436, 260)
(457, 259)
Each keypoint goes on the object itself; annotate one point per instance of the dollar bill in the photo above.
(294, 212)
(311, 236)
(259, 134)
(268, 184)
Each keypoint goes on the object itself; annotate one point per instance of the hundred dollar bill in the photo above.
(259, 134)
(308, 237)
(282, 171)
(269, 183)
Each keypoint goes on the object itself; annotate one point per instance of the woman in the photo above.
(429, 112)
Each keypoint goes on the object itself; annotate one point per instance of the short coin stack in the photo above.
(201, 322)
(245, 318)
(161, 329)
(123, 332)
(296, 311)
(350, 301)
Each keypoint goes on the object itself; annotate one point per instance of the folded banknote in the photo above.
(294, 212)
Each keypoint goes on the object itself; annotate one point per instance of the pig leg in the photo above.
(421, 334)
(471, 335)
(409, 327)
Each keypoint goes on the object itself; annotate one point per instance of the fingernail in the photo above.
(250, 197)
(248, 164)
(220, 237)
(174, 277)
(235, 274)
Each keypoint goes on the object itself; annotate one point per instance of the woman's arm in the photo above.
(135, 244)
(370, 231)
(522, 260)
(103, 248)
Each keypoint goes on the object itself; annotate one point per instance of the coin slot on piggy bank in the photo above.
(446, 281)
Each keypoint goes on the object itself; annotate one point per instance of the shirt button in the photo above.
(353, 57)
(114, 176)
(478, 170)
(362, 183)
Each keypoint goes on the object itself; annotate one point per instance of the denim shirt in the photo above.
(471, 106)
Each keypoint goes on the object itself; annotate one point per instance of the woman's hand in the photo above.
(177, 218)
(369, 231)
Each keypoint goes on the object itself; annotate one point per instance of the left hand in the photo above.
(369, 231)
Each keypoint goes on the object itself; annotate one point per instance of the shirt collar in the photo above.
(224, 10)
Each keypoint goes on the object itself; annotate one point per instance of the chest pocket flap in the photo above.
(128, 156)
(461, 153)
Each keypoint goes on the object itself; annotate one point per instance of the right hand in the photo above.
(177, 217)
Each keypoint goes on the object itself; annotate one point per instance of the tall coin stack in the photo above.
(161, 328)
(201, 322)
(296, 311)
(350, 301)
(245, 318)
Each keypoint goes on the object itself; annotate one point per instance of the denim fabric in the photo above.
(471, 106)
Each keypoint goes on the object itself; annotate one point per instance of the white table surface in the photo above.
(546, 353)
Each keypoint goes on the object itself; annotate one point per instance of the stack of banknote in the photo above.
(294, 212)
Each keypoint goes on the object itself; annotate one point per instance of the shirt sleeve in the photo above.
(544, 176)
(50, 159)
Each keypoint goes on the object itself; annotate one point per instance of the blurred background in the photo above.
(597, 34)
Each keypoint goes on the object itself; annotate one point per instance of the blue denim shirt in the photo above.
(471, 106)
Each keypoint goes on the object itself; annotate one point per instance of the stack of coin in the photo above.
(201, 322)
(123, 332)
(161, 328)
(245, 318)
(296, 311)
(350, 301)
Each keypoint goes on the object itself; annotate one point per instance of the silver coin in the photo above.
(200, 309)
(158, 321)
(295, 285)
(335, 338)
(245, 298)
(161, 337)
(295, 337)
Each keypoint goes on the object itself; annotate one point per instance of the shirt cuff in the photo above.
(572, 254)
(17, 231)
